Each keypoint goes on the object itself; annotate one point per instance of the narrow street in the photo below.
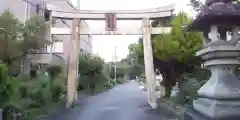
(124, 102)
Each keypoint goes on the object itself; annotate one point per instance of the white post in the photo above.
(148, 61)
(73, 64)
(1, 114)
(51, 36)
(78, 4)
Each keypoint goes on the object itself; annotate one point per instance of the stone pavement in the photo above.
(124, 102)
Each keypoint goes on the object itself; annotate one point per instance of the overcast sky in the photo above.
(104, 45)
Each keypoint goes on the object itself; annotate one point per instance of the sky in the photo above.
(104, 45)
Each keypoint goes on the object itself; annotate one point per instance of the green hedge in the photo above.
(23, 93)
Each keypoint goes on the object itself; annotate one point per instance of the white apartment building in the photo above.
(58, 53)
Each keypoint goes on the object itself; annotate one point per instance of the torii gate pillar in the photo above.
(73, 64)
(148, 61)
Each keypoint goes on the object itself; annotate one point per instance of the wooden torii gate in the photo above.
(146, 30)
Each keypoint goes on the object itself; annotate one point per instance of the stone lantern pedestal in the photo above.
(220, 96)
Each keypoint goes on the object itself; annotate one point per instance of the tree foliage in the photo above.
(7, 86)
(90, 69)
(179, 44)
(196, 4)
(17, 39)
(53, 71)
(174, 53)
(90, 63)
(136, 52)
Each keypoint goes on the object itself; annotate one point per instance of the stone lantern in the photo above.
(220, 95)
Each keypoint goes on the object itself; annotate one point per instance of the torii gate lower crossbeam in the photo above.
(146, 31)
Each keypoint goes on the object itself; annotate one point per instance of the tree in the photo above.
(196, 5)
(136, 52)
(174, 53)
(90, 66)
(34, 35)
(135, 58)
(17, 39)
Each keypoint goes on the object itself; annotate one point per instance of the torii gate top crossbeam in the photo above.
(120, 14)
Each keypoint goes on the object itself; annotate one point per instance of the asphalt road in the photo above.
(124, 102)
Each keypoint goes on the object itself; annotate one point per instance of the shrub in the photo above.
(120, 80)
(108, 85)
(90, 70)
(33, 73)
(53, 71)
(121, 72)
(57, 91)
(112, 82)
(80, 87)
(37, 98)
(23, 90)
(191, 83)
(7, 86)
(9, 110)
(135, 70)
(90, 63)
(40, 91)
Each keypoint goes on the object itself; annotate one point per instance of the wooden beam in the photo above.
(120, 14)
(101, 31)
(93, 16)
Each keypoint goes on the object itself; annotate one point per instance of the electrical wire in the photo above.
(44, 9)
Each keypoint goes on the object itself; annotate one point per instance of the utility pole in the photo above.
(78, 4)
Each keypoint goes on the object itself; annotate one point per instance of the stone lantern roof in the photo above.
(218, 13)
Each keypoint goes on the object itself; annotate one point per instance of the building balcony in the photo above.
(46, 58)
